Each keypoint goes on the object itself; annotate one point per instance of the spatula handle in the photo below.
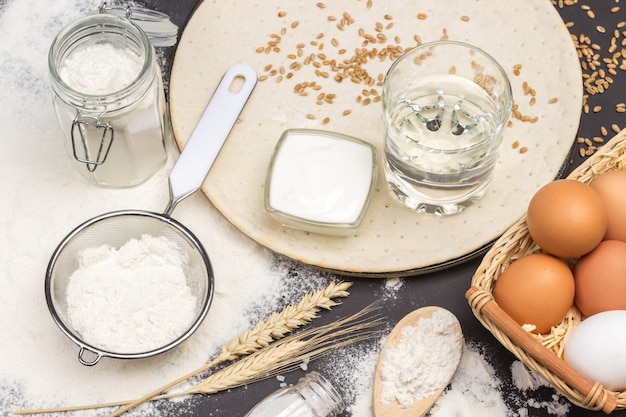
(210, 133)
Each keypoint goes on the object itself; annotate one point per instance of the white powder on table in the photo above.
(100, 69)
(132, 299)
(475, 390)
(524, 379)
(422, 361)
(528, 382)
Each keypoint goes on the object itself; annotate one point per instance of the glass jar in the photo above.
(312, 396)
(115, 133)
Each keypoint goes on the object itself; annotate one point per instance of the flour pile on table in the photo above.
(476, 390)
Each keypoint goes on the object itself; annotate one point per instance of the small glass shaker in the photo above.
(312, 396)
(115, 139)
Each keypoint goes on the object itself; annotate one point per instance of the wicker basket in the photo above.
(514, 243)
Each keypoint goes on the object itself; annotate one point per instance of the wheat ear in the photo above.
(292, 351)
(276, 326)
(263, 333)
(289, 319)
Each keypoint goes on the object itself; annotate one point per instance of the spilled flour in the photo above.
(476, 390)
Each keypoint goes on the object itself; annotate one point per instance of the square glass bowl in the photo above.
(320, 181)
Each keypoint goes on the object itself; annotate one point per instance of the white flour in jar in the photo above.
(100, 69)
(422, 361)
(131, 299)
(123, 132)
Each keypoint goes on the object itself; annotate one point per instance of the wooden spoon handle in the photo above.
(593, 392)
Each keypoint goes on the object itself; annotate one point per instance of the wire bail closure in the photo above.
(82, 124)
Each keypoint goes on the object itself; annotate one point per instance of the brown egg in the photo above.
(600, 278)
(536, 289)
(612, 188)
(567, 218)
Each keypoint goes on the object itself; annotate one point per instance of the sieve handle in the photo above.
(87, 362)
(210, 133)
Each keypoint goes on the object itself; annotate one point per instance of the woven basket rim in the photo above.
(516, 242)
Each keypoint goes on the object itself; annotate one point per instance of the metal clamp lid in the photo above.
(157, 26)
(82, 144)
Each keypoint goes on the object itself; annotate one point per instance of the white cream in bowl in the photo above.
(320, 181)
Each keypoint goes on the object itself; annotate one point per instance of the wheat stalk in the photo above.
(289, 319)
(292, 351)
(275, 327)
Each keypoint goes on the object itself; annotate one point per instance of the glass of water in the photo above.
(446, 105)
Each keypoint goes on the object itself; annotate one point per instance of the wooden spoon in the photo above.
(420, 407)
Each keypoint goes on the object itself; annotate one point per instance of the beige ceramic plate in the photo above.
(299, 40)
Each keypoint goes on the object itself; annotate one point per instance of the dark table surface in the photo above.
(446, 288)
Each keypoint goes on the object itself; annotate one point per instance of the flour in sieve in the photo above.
(422, 361)
(132, 299)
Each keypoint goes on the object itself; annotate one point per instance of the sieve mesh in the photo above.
(115, 229)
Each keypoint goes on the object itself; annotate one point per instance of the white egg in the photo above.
(597, 349)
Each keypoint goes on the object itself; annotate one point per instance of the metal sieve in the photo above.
(118, 227)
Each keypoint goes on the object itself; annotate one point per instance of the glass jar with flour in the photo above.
(109, 98)
(312, 396)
